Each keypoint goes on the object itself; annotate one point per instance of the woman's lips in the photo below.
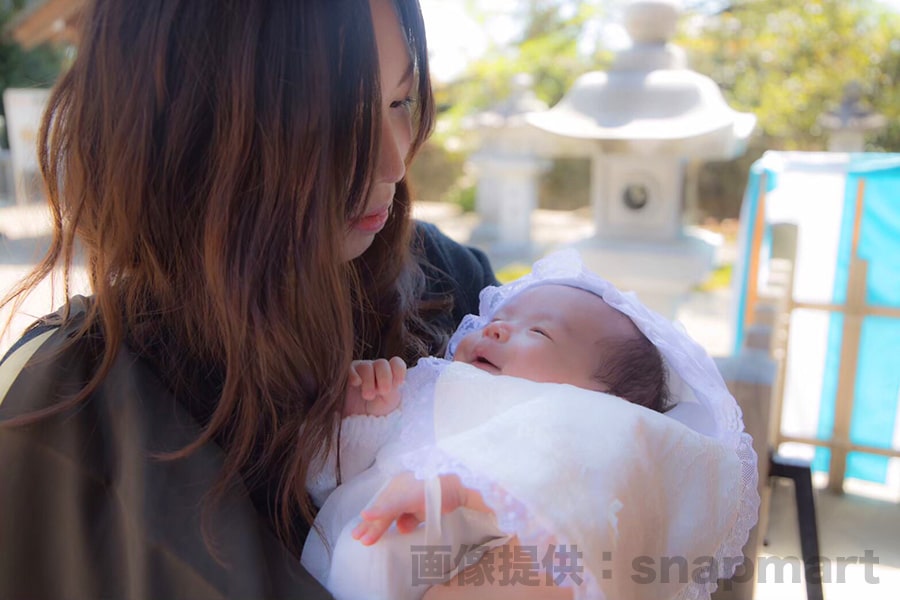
(373, 222)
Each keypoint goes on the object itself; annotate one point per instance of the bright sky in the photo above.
(454, 38)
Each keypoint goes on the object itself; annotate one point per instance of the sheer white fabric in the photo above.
(704, 403)
(563, 466)
(384, 571)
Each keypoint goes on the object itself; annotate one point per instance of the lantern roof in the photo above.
(649, 94)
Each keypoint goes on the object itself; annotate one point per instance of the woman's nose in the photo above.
(392, 151)
(497, 331)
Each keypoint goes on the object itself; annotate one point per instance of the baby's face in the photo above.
(549, 333)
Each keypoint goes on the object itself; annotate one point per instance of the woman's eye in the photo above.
(406, 103)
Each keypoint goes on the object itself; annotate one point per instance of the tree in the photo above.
(788, 62)
(38, 67)
(547, 48)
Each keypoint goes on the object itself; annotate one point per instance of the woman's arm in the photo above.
(87, 510)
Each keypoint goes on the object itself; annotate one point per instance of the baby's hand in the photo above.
(373, 387)
(403, 501)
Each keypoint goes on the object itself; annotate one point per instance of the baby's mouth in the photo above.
(483, 363)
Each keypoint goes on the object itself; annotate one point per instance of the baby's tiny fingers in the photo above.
(369, 532)
(383, 376)
(367, 383)
(398, 369)
(360, 530)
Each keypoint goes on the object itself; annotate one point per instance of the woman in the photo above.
(233, 173)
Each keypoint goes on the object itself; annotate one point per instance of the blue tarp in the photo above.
(878, 369)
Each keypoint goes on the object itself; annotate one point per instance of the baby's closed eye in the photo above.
(542, 332)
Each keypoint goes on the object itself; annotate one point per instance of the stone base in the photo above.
(660, 273)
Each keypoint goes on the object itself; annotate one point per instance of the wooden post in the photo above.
(759, 227)
(784, 245)
(852, 331)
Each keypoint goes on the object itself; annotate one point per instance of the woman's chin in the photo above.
(355, 244)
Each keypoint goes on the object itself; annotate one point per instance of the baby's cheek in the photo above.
(464, 348)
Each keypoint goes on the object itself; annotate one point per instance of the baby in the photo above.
(561, 334)
(549, 333)
(553, 327)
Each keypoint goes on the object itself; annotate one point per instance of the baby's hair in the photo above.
(633, 369)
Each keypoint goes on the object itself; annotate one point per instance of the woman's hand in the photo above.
(403, 501)
(373, 387)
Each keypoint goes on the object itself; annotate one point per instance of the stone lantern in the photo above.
(849, 124)
(641, 124)
(507, 168)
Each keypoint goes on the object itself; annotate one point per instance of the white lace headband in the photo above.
(702, 400)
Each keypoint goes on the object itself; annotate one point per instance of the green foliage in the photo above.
(435, 171)
(463, 195)
(28, 68)
(788, 62)
(38, 67)
(547, 49)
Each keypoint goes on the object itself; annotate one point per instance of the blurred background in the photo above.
(786, 61)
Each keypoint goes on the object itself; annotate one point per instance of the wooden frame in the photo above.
(855, 310)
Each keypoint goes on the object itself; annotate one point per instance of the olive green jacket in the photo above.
(88, 510)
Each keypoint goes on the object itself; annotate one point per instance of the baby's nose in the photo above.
(497, 331)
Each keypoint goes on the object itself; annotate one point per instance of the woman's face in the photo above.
(397, 79)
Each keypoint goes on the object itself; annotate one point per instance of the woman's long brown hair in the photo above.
(206, 156)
